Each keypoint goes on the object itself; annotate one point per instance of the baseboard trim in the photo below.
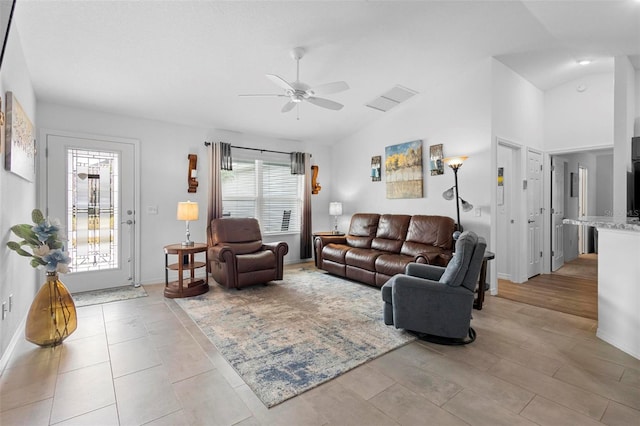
(12, 345)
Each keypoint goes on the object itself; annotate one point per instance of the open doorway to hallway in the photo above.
(581, 184)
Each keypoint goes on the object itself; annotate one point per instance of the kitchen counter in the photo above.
(606, 222)
(618, 280)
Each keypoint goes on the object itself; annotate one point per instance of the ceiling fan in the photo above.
(298, 91)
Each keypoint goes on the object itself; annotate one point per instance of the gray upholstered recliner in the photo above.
(433, 300)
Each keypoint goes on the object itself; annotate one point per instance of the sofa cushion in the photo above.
(364, 224)
(362, 229)
(457, 267)
(256, 261)
(431, 230)
(362, 258)
(335, 252)
(360, 242)
(235, 230)
(244, 248)
(391, 264)
(392, 230)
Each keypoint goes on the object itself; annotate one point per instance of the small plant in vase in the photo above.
(52, 316)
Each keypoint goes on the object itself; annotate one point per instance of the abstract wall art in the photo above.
(20, 143)
(403, 170)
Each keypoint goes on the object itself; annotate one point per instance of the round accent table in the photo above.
(185, 286)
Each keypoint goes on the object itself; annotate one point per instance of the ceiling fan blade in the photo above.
(325, 103)
(260, 95)
(279, 81)
(328, 88)
(288, 106)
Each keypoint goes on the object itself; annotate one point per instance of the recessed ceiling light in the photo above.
(584, 62)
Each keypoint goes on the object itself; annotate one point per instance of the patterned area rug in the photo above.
(292, 335)
(107, 295)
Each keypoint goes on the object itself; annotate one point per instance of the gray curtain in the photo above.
(214, 208)
(297, 163)
(306, 241)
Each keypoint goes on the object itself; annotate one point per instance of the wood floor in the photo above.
(573, 289)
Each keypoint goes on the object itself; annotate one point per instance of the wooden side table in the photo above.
(185, 286)
(482, 281)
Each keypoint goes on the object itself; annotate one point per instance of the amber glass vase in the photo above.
(52, 316)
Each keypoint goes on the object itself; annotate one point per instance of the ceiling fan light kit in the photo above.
(298, 92)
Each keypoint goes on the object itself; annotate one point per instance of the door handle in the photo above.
(530, 221)
(128, 222)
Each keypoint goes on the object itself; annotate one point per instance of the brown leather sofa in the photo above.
(380, 246)
(238, 257)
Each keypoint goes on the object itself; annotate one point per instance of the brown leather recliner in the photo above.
(238, 257)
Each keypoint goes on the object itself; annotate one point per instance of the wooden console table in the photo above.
(482, 281)
(185, 286)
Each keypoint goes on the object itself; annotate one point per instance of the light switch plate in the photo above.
(152, 209)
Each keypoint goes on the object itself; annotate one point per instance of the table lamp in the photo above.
(335, 210)
(187, 211)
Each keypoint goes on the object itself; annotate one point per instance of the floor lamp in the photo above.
(455, 163)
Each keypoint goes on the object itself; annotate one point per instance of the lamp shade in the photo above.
(335, 208)
(455, 162)
(187, 210)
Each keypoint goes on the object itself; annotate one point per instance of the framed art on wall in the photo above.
(20, 145)
(403, 170)
(376, 171)
(435, 160)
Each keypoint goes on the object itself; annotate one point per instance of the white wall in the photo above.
(17, 200)
(517, 117)
(624, 117)
(579, 120)
(456, 115)
(604, 183)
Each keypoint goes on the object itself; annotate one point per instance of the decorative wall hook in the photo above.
(315, 185)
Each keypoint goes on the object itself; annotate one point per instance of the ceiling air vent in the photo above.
(391, 98)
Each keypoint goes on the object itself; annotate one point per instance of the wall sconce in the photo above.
(315, 185)
(455, 163)
(335, 210)
(187, 211)
(192, 175)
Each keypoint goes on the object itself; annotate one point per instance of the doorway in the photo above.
(91, 186)
(509, 250)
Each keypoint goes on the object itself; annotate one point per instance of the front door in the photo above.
(557, 213)
(534, 213)
(91, 189)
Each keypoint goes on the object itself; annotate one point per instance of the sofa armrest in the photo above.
(280, 249)
(221, 253)
(428, 272)
(322, 240)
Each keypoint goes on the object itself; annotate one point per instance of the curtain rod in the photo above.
(254, 149)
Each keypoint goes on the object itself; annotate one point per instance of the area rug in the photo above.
(292, 335)
(87, 298)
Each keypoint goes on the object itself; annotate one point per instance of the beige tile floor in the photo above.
(143, 361)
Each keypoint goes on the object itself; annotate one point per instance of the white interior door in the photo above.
(534, 213)
(91, 188)
(557, 214)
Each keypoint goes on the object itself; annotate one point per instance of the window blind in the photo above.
(265, 190)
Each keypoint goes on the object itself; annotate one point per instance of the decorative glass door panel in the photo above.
(91, 189)
(93, 217)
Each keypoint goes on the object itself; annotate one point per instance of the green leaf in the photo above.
(24, 231)
(53, 242)
(16, 247)
(37, 216)
(36, 261)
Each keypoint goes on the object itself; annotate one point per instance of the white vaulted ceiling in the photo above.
(187, 61)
